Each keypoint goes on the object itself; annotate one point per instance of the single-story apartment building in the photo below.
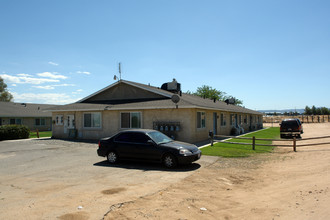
(31, 115)
(126, 105)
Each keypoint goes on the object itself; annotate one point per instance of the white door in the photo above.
(68, 123)
(70, 119)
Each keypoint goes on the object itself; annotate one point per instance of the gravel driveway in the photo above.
(48, 179)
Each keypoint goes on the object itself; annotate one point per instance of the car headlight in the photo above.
(185, 152)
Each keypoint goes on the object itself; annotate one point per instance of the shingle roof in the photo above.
(12, 109)
(186, 101)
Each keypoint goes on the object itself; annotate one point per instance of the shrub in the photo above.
(10, 132)
(234, 131)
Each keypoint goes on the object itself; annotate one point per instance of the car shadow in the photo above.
(148, 166)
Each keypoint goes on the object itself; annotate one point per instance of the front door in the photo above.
(68, 123)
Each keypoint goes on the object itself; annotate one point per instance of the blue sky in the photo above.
(272, 54)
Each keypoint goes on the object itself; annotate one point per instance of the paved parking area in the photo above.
(48, 179)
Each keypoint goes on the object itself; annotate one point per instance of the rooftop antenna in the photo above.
(119, 70)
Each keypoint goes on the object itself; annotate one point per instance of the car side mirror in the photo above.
(150, 142)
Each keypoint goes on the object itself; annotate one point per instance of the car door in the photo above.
(145, 149)
(125, 145)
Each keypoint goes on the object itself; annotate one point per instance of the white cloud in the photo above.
(24, 75)
(13, 85)
(46, 98)
(11, 79)
(52, 75)
(52, 63)
(49, 87)
(44, 87)
(84, 72)
(78, 91)
(65, 84)
(26, 79)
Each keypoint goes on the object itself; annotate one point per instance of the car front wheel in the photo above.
(169, 161)
(112, 157)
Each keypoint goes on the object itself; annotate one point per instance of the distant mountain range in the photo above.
(300, 111)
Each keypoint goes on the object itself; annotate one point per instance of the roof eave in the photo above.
(126, 82)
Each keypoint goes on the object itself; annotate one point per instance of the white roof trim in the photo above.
(127, 82)
(95, 93)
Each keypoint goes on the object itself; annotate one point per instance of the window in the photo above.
(124, 137)
(132, 137)
(239, 119)
(231, 119)
(92, 120)
(15, 121)
(222, 119)
(40, 122)
(245, 119)
(200, 119)
(130, 119)
(59, 120)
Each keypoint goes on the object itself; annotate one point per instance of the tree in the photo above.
(325, 111)
(313, 110)
(211, 93)
(5, 96)
(308, 110)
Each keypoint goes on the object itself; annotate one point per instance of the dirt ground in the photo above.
(62, 179)
(279, 185)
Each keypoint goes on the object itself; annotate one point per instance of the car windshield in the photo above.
(159, 137)
(289, 124)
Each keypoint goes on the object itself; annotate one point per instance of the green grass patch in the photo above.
(42, 134)
(224, 149)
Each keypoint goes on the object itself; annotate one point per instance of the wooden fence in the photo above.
(303, 118)
(293, 145)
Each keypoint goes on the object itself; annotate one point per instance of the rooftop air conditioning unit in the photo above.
(173, 86)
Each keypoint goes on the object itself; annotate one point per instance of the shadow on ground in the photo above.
(148, 166)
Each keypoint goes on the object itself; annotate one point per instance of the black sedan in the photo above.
(147, 145)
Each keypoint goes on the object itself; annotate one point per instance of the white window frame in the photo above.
(92, 113)
(202, 126)
(130, 119)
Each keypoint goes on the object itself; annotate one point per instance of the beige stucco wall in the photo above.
(30, 123)
(186, 117)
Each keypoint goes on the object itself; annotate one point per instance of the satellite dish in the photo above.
(175, 98)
